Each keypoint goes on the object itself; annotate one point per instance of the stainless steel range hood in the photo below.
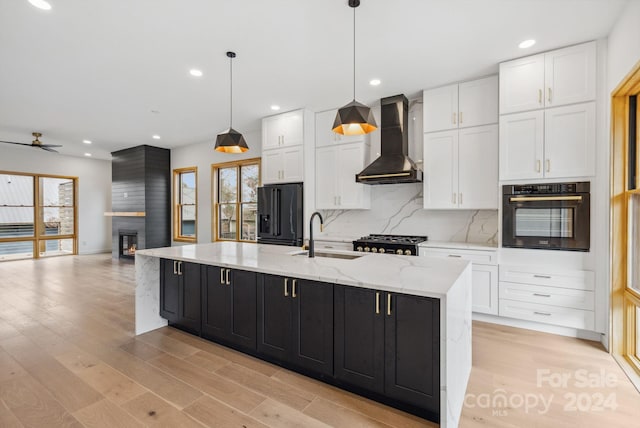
(393, 165)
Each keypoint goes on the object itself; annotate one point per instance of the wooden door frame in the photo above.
(623, 300)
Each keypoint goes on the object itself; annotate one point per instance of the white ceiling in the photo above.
(95, 70)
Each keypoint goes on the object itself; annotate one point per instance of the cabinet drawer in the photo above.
(576, 279)
(488, 257)
(333, 245)
(567, 317)
(554, 296)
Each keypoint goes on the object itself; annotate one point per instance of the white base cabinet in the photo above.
(560, 297)
(484, 293)
(461, 169)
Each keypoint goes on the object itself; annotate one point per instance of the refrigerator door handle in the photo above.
(277, 218)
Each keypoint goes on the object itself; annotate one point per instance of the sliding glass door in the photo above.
(38, 216)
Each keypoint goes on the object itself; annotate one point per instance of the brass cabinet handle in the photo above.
(453, 118)
(537, 165)
(286, 291)
(460, 117)
(175, 269)
(453, 198)
(539, 96)
(542, 295)
(222, 276)
(546, 314)
(179, 268)
(548, 165)
(377, 302)
(293, 288)
(460, 198)
(389, 304)
(227, 281)
(549, 94)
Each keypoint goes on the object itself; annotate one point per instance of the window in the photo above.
(37, 216)
(235, 187)
(185, 196)
(625, 221)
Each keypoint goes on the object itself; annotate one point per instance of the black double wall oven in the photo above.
(553, 216)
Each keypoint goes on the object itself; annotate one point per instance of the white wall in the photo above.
(623, 45)
(94, 189)
(203, 156)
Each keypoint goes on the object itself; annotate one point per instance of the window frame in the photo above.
(239, 203)
(39, 237)
(177, 204)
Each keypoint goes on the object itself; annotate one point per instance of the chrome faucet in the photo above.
(311, 251)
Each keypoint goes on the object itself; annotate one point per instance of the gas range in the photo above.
(389, 244)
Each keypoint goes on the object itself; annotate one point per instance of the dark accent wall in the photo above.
(141, 181)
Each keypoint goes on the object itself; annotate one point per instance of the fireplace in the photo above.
(128, 243)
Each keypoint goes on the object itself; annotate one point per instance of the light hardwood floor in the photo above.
(69, 357)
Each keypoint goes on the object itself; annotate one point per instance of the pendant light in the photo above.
(355, 118)
(231, 141)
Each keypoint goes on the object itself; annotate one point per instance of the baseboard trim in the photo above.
(545, 328)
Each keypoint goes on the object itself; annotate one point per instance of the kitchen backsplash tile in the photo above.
(398, 209)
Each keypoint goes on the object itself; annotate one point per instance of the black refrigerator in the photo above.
(280, 214)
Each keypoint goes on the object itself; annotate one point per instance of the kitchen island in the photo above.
(416, 311)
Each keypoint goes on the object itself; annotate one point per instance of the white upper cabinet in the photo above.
(461, 105)
(569, 140)
(556, 142)
(521, 145)
(283, 139)
(336, 169)
(560, 77)
(440, 108)
(324, 133)
(461, 168)
(284, 129)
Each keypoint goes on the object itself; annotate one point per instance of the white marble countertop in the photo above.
(420, 276)
(457, 245)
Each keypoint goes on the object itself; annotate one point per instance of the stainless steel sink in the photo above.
(344, 256)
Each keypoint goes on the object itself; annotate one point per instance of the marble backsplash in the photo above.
(397, 209)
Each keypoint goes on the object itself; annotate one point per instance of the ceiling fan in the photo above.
(36, 143)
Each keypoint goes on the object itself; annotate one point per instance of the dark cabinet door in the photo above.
(180, 294)
(412, 351)
(215, 304)
(312, 325)
(274, 317)
(359, 337)
(169, 290)
(243, 311)
(190, 297)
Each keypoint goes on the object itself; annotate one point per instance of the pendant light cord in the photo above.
(231, 93)
(354, 54)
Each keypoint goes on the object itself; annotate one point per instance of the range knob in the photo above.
(381, 250)
(407, 252)
(374, 250)
(367, 249)
(399, 252)
(359, 248)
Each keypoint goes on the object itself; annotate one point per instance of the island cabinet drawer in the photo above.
(333, 245)
(567, 317)
(576, 279)
(488, 257)
(554, 296)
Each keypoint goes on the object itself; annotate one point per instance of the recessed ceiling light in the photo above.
(374, 82)
(86, 141)
(40, 4)
(275, 107)
(88, 155)
(195, 72)
(156, 137)
(527, 44)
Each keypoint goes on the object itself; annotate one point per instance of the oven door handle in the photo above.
(544, 198)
